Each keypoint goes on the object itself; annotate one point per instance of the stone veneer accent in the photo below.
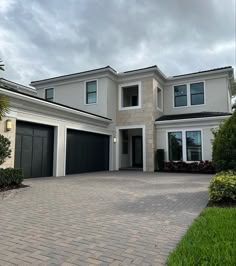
(145, 115)
(11, 135)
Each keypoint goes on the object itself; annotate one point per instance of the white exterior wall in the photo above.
(216, 96)
(161, 134)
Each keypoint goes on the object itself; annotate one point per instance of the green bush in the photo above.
(224, 145)
(223, 187)
(10, 177)
(5, 151)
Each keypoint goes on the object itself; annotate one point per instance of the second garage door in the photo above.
(86, 152)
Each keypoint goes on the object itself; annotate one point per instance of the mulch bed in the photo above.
(3, 189)
(225, 204)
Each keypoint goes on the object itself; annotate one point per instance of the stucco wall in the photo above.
(11, 136)
(207, 136)
(216, 96)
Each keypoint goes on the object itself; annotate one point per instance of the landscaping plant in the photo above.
(223, 187)
(5, 151)
(224, 145)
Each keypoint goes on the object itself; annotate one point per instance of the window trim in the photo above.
(162, 99)
(85, 92)
(45, 91)
(189, 94)
(184, 143)
(139, 84)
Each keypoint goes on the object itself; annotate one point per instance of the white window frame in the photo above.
(189, 94)
(85, 92)
(162, 99)
(45, 89)
(120, 96)
(184, 143)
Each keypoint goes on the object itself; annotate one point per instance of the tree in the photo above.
(224, 145)
(1, 65)
(5, 151)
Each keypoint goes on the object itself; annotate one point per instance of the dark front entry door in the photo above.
(137, 143)
(86, 152)
(34, 149)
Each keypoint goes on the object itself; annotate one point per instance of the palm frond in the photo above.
(1, 65)
(4, 106)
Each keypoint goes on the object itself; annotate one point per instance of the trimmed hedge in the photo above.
(206, 167)
(10, 177)
(223, 187)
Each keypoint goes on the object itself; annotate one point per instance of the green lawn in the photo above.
(211, 240)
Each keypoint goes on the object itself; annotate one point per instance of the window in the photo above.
(175, 146)
(91, 92)
(197, 93)
(189, 94)
(159, 98)
(129, 96)
(180, 95)
(49, 94)
(185, 145)
(125, 142)
(194, 145)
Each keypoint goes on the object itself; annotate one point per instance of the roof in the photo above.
(76, 74)
(55, 103)
(145, 68)
(205, 71)
(14, 85)
(192, 115)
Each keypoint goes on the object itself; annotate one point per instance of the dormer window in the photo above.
(49, 94)
(130, 96)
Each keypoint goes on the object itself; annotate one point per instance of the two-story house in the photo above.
(132, 114)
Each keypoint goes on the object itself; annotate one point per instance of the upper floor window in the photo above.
(130, 96)
(159, 99)
(49, 94)
(91, 92)
(197, 93)
(189, 94)
(180, 95)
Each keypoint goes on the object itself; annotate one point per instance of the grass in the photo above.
(211, 240)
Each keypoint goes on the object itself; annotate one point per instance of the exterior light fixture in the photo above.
(9, 125)
(114, 140)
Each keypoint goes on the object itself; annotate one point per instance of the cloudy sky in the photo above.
(45, 38)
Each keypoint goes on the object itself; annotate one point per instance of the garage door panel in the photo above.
(86, 152)
(34, 149)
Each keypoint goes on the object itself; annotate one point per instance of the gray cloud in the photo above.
(39, 39)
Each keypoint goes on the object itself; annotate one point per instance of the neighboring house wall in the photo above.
(216, 95)
(11, 136)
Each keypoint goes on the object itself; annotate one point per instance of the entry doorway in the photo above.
(137, 151)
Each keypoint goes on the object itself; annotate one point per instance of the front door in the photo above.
(137, 143)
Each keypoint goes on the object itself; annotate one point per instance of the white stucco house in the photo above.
(104, 120)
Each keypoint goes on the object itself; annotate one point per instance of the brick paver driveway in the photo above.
(116, 218)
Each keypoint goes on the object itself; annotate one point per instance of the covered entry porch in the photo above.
(131, 148)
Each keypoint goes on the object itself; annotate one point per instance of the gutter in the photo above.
(192, 120)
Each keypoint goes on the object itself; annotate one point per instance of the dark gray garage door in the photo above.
(34, 149)
(86, 152)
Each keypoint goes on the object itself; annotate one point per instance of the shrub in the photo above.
(223, 187)
(224, 145)
(10, 177)
(206, 167)
(5, 151)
